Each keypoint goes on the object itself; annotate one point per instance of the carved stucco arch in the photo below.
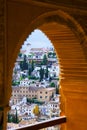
(54, 16)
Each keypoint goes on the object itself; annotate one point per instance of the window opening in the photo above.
(35, 83)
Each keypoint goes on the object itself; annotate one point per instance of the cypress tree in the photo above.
(41, 73)
(45, 60)
(16, 117)
(24, 64)
(46, 73)
(32, 65)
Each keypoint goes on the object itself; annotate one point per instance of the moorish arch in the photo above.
(68, 39)
(60, 18)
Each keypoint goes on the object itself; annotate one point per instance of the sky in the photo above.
(37, 39)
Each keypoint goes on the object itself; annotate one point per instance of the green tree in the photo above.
(46, 72)
(14, 83)
(20, 55)
(57, 90)
(41, 73)
(21, 65)
(50, 79)
(24, 64)
(52, 84)
(32, 65)
(45, 61)
(9, 117)
(29, 100)
(15, 118)
(49, 54)
(54, 54)
(29, 71)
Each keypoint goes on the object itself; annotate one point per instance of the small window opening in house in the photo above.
(35, 83)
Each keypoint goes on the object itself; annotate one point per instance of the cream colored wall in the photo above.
(43, 93)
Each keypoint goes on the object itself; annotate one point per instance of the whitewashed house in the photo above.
(25, 82)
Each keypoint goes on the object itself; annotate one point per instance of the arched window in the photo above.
(39, 76)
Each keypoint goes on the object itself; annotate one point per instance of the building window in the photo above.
(40, 96)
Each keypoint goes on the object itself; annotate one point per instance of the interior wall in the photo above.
(19, 20)
(72, 73)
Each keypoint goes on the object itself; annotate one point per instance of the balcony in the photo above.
(45, 124)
